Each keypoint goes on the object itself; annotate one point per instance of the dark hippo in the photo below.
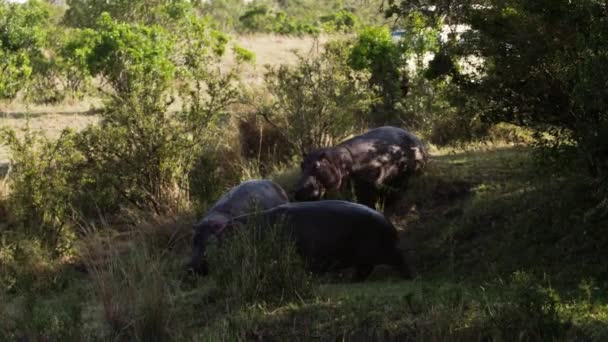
(331, 235)
(382, 158)
(242, 199)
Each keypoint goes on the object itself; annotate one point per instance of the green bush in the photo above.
(375, 52)
(318, 102)
(43, 186)
(260, 265)
(343, 21)
(22, 36)
(84, 13)
(262, 18)
(151, 150)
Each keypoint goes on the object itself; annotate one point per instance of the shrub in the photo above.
(213, 173)
(262, 143)
(340, 21)
(375, 52)
(318, 102)
(22, 34)
(260, 266)
(151, 150)
(42, 186)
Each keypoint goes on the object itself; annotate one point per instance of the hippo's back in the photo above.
(264, 194)
(323, 219)
(332, 234)
(383, 140)
(389, 134)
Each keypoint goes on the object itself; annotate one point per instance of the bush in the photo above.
(317, 103)
(22, 35)
(261, 18)
(375, 52)
(340, 21)
(151, 150)
(43, 186)
(214, 172)
(262, 143)
(260, 265)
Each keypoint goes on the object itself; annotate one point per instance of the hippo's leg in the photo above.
(362, 272)
(395, 188)
(366, 194)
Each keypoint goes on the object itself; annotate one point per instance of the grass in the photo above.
(489, 213)
(502, 251)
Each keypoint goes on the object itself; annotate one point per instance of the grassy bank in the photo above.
(501, 253)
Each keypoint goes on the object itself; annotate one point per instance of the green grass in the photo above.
(503, 250)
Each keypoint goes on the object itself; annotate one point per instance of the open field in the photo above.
(268, 49)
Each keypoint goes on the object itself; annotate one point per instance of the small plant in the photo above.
(259, 264)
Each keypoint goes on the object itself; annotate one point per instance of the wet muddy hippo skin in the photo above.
(332, 235)
(242, 199)
(384, 157)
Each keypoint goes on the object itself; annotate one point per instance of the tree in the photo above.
(22, 36)
(84, 13)
(544, 66)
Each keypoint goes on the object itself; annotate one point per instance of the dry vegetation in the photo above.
(52, 119)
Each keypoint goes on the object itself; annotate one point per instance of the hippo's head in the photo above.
(321, 172)
(211, 225)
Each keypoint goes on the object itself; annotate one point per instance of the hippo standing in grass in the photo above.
(382, 158)
(244, 198)
(331, 235)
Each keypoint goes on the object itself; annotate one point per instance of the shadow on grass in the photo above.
(486, 214)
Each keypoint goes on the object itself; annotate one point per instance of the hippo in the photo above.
(383, 158)
(244, 198)
(330, 235)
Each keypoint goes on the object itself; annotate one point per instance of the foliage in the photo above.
(141, 154)
(42, 185)
(261, 18)
(527, 75)
(225, 13)
(375, 52)
(260, 265)
(318, 102)
(22, 34)
(340, 21)
(84, 13)
(152, 149)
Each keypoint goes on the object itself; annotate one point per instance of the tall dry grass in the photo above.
(132, 274)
